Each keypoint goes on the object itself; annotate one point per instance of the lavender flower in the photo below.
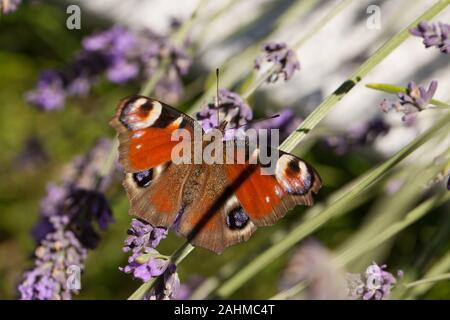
(434, 35)
(374, 284)
(142, 240)
(358, 136)
(279, 54)
(8, 6)
(188, 287)
(167, 287)
(66, 228)
(120, 54)
(83, 207)
(146, 263)
(49, 93)
(58, 251)
(415, 99)
(232, 109)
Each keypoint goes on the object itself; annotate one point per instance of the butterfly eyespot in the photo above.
(143, 178)
(294, 167)
(140, 113)
(237, 219)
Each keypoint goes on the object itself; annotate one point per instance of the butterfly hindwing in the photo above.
(267, 197)
(212, 217)
(225, 203)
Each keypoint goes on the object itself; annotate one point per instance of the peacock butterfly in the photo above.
(213, 205)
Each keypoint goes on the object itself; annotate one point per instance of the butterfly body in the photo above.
(214, 205)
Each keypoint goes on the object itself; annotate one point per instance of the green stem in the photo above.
(439, 267)
(322, 110)
(378, 232)
(334, 208)
(321, 23)
(440, 277)
(148, 87)
(390, 88)
(291, 292)
(354, 251)
(259, 81)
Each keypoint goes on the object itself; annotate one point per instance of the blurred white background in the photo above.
(327, 58)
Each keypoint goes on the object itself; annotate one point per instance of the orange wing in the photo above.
(145, 128)
(267, 198)
(153, 184)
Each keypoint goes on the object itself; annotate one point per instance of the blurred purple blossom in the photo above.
(278, 53)
(66, 229)
(375, 284)
(33, 154)
(232, 108)
(123, 56)
(434, 35)
(393, 185)
(415, 99)
(188, 287)
(57, 252)
(79, 197)
(8, 6)
(83, 207)
(49, 93)
(358, 136)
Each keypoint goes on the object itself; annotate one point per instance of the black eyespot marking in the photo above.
(293, 166)
(237, 219)
(131, 107)
(143, 178)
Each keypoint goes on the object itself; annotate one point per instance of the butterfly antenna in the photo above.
(217, 101)
(255, 121)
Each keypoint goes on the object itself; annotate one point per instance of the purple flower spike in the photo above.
(123, 56)
(278, 53)
(434, 35)
(65, 230)
(415, 99)
(49, 93)
(142, 239)
(357, 137)
(375, 284)
(232, 109)
(154, 267)
(58, 252)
